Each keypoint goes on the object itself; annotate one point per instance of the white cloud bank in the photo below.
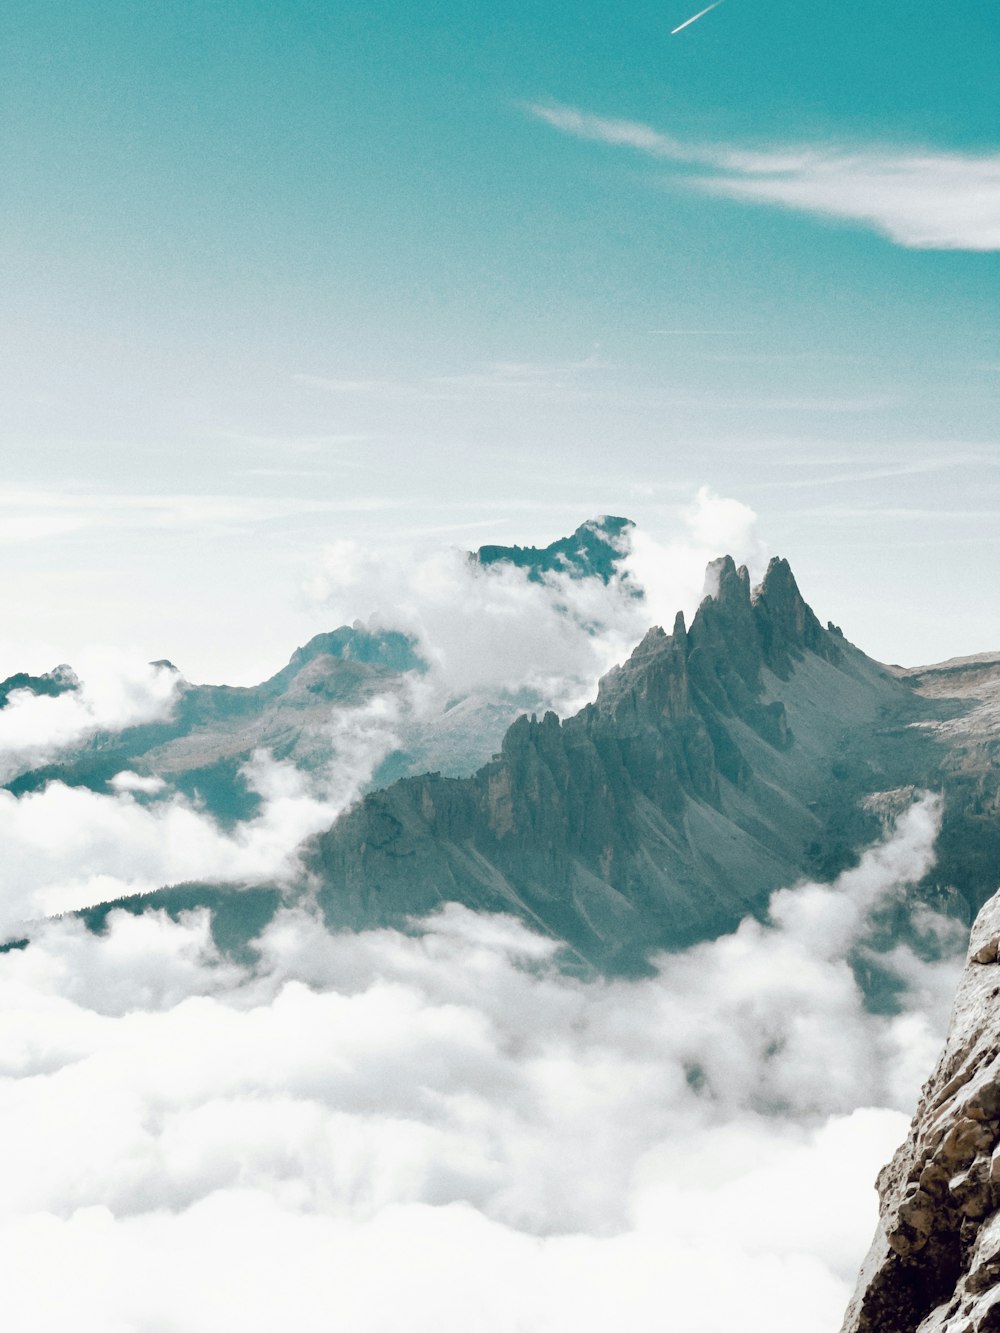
(921, 199)
(440, 1131)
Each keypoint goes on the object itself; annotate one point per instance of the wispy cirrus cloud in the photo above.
(618, 133)
(919, 199)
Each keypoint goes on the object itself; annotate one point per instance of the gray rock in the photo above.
(934, 1265)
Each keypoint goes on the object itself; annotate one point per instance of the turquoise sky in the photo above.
(278, 274)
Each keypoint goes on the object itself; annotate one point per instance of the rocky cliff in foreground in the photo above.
(934, 1266)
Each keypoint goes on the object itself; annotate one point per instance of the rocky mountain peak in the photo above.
(719, 662)
(662, 811)
(725, 583)
(786, 624)
(390, 650)
(651, 686)
(724, 636)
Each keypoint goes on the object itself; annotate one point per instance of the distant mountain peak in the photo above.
(593, 550)
(60, 680)
(389, 649)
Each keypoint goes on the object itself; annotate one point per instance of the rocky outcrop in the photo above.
(934, 1266)
(718, 763)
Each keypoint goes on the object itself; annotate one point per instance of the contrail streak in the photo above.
(694, 18)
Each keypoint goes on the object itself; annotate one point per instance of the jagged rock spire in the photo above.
(786, 624)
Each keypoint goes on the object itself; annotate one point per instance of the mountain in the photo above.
(719, 763)
(964, 721)
(202, 747)
(594, 550)
(934, 1265)
(213, 730)
(60, 680)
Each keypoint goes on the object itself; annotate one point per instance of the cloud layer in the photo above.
(440, 1130)
(921, 199)
(437, 1129)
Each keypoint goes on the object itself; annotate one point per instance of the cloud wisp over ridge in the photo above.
(920, 199)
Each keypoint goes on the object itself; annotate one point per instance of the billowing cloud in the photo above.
(672, 573)
(921, 199)
(440, 1130)
(494, 629)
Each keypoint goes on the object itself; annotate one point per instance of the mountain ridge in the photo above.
(723, 760)
(660, 813)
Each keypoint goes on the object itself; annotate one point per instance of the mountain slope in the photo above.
(213, 730)
(718, 763)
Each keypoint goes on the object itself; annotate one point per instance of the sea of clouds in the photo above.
(437, 1129)
(441, 1130)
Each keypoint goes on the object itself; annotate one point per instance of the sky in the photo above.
(280, 276)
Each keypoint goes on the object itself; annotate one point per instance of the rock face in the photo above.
(717, 764)
(934, 1266)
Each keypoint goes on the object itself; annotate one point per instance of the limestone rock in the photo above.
(934, 1266)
